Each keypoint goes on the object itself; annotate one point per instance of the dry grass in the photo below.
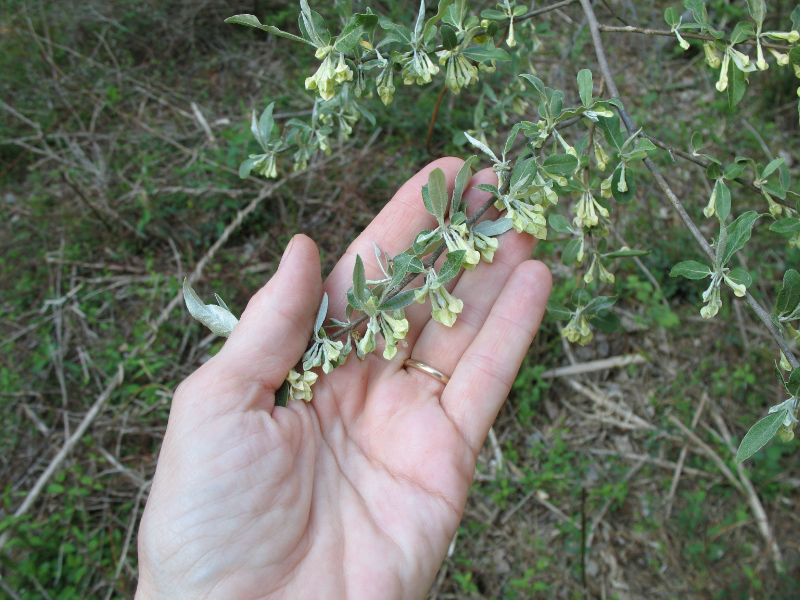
(611, 483)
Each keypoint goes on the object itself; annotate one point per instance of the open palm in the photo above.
(357, 494)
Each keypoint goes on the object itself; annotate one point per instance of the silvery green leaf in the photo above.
(247, 166)
(691, 269)
(426, 242)
(580, 297)
(671, 16)
(558, 311)
(610, 127)
(511, 137)
(487, 187)
(451, 266)
(482, 147)
(788, 225)
(493, 228)
(771, 167)
(758, 9)
(605, 320)
(629, 253)
(314, 25)
(462, 179)
(738, 233)
(599, 303)
(793, 385)
(401, 300)
(737, 83)
(321, 313)
(559, 223)
(420, 20)
(585, 86)
(739, 275)
(252, 21)
(221, 302)
(741, 32)
(265, 124)
(437, 189)
(449, 39)
(379, 257)
(524, 170)
(759, 435)
(484, 54)
(282, 394)
(560, 163)
(458, 218)
(630, 180)
(357, 25)
(218, 319)
(570, 253)
(360, 289)
(443, 6)
(426, 198)
(789, 296)
(723, 205)
(699, 12)
(496, 15)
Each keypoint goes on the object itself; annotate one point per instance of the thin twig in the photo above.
(662, 183)
(686, 34)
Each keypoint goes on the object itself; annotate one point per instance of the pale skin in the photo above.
(358, 493)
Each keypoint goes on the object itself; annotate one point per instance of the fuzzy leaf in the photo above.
(218, 319)
(793, 385)
(321, 313)
(560, 163)
(357, 26)
(788, 225)
(559, 223)
(482, 147)
(451, 266)
(691, 269)
(462, 179)
(493, 228)
(252, 21)
(437, 189)
(483, 54)
(585, 86)
(739, 275)
(626, 253)
(360, 289)
(282, 394)
(401, 300)
(738, 233)
(558, 311)
(737, 84)
(630, 180)
(789, 296)
(605, 320)
(759, 435)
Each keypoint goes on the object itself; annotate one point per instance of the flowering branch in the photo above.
(594, 27)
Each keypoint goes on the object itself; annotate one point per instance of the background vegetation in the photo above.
(123, 124)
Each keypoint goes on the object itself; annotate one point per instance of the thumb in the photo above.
(275, 327)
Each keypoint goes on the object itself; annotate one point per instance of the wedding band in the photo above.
(428, 370)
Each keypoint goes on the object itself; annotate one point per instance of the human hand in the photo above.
(358, 493)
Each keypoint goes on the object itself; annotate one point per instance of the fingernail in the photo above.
(286, 252)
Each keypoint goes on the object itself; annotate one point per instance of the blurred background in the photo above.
(123, 124)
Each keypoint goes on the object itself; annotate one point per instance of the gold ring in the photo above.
(428, 370)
